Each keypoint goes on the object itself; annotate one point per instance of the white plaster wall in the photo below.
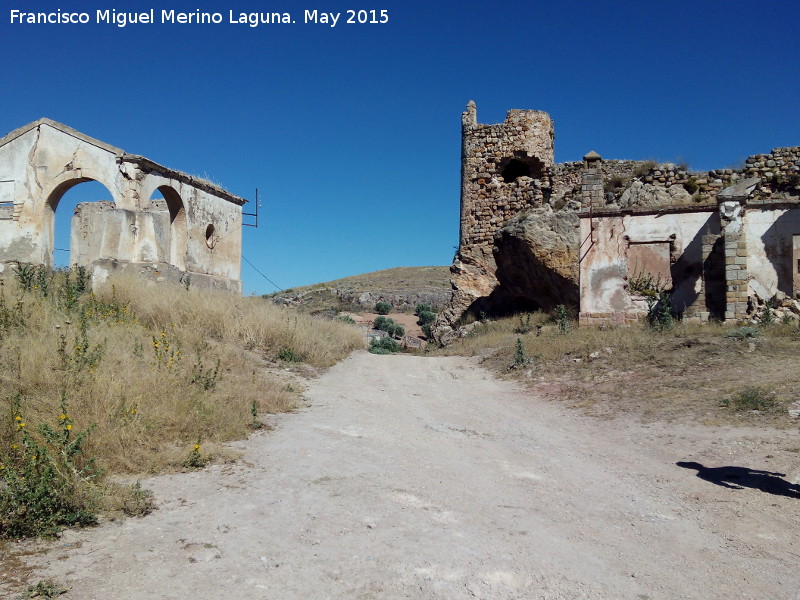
(46, 161)
(769, 234)
(604, 261)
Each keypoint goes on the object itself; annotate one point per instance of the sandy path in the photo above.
(410, 477)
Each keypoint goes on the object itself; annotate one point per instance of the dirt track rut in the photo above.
(412, 477)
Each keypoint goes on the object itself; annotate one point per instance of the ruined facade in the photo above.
(723, 256)
(194, 232)
(534, 234)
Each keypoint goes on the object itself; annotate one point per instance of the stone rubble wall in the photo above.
(487, 200)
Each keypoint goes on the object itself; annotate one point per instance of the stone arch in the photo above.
(47, 210)
(178, 236)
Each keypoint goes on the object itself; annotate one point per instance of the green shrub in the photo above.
(659, 312)
(524, 325)
(383, 308)
(382, 322)
(561, 317)
(752, 398)
(45, 478)
(691, 185)
(741, 333)
(289, 355)
(520, 357)
(427, 331)
(644, 168)
(421, 308)
(396, 330)
(383, 345)
(425, 317)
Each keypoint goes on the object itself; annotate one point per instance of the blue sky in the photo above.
(352, 133)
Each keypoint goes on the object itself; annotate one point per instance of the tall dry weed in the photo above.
(151, 369)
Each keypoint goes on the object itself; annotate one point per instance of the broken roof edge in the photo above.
(193, 180)
(123, 156)
(586, 213)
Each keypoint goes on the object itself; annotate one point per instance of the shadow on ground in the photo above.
(738, 478)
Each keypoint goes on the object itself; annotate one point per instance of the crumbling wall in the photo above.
(195, 232)
(620, 248)
(514, 255)
(505, 170)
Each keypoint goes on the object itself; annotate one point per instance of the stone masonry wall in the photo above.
(778, 170)
(505, 169)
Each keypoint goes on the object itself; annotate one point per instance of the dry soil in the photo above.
(413, 477)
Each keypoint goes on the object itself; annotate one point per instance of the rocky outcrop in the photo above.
(537, 260)
(646, 194)
(534, 265)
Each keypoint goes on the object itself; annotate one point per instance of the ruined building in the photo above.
(604, 235)
(194, 232)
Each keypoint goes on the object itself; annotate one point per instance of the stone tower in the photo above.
(505, 168)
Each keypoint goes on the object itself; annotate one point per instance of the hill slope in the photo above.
(402, 287)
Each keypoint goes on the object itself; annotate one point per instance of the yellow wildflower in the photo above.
(197, 447)
(69, 427)
(18, 418)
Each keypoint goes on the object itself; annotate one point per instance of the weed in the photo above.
(289, 355)
(196, 460)
(646, 284)
(43, 280)
(691, 186)
(205, 378)
(254, 423)
(166, 350)
(561, 317)
(44, 589)
(346, 319)
(524, 325)
(11, 318)
(752, 398)
(741, 333)
(45, 478)
(767, 316)
(616, 184)
(644, 168)
(25, 275)
(659, 312)
(138, 502)
(520, 357)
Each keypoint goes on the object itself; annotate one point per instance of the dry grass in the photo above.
(687, 373)
(172, 367)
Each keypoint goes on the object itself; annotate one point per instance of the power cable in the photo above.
(244, 258)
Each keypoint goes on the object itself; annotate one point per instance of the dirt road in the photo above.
(411, 477)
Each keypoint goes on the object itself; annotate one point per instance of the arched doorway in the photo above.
(73, 228)
(167, 197)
